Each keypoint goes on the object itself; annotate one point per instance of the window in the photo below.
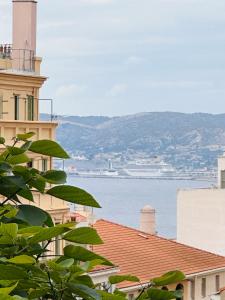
(193, 289)
(16, 107)
(30, 108)
(217, 278)
(180, 287)
(203, 287)
(30, 164)
(44, 165)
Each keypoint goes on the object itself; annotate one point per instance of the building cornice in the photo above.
(11, 78)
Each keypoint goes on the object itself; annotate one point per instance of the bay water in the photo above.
(122, 199)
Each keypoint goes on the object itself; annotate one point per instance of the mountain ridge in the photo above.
(185, 140)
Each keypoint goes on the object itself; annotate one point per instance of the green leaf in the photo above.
(46, 234)
(74, 195)
(38, 183)
(22, 171)
(26, 194)
(18, 159)
(120, 278)
(32, 215)
(107, 296)
(2, 140)
(31, 230)
(38, 293)
(22, 259)
(5, 167)
(54, 176)
(83, 279)
(49, 148)
(10, 272)
(9, 230)
(67, 263)
(8, 211)
(158, 294)
(26, 145)
(82, 254)
(83, 291)
(25, 136)
(168, 278)
(15, 151)
(3, 155)
(9, 185)
(7, 290)
(83, 235)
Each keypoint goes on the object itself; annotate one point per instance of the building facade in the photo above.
(200, 215)
(20, 84)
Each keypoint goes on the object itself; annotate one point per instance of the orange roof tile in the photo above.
(148, 256)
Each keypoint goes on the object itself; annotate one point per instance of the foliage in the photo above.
(27, 269)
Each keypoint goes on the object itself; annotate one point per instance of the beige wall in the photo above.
(200, 219)
(12, 84)
(210, 286)
(24, 84)
(5, 64)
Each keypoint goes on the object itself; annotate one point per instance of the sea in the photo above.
(122, 199)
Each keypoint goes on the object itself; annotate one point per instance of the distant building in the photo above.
(147, 256)
(20, 82)
(201, 215)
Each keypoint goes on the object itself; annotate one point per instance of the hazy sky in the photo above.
(115, 57)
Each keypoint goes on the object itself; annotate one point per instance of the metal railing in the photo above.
(5, 51)
(23, 59)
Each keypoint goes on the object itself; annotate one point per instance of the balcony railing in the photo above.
(5, 51)
(22, 59)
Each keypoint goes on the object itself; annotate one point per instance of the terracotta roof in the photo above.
(148, 256)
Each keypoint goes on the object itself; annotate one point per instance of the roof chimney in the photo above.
(24, 33)
(147, 223)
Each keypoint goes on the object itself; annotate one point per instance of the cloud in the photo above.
(4, 3)
(134, 60)
(181, 84)
(96, 2)
(70, 90)
(117, 90)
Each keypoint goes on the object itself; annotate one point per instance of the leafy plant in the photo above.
(27, 269)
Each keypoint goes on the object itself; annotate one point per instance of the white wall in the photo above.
(201, 219)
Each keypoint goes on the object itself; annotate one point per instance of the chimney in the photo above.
(147, 223)
(24, 34)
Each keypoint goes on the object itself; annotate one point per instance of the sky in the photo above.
(119, 57)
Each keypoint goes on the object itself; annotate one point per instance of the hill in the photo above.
(185, 140)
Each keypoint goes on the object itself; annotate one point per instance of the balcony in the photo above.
(42, 130)
(5, 51)
(17, 59)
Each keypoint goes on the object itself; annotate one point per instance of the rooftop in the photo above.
(148, 256)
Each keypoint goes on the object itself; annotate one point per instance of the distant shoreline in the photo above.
(145, 178)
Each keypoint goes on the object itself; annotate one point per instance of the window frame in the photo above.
(30, 108)
(217, 282)
(203, 287)
(16, 107)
